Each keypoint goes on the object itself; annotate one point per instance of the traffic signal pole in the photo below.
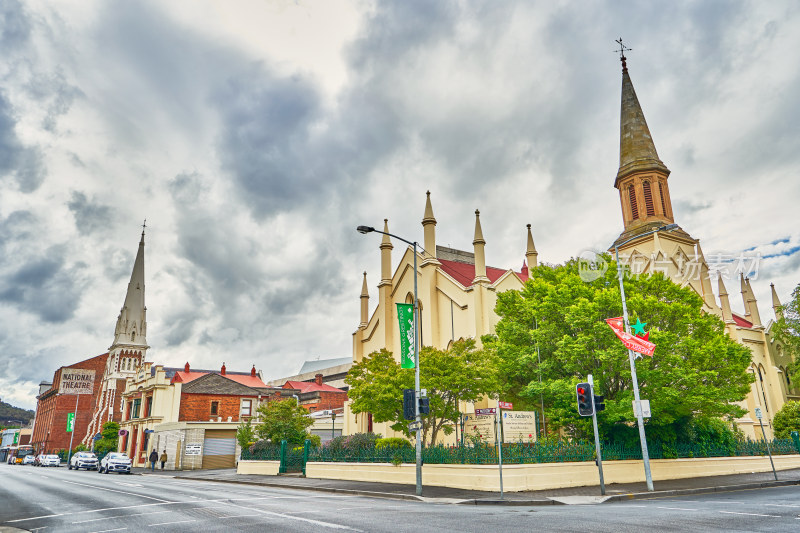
(597, 439)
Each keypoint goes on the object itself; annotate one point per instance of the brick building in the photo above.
(318, 396)
(50, 428)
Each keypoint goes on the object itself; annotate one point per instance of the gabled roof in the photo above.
(320, 364)
(310, 386)
(464, 273)
(245, 378)
(217, 384)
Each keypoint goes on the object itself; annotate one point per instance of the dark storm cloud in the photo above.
(25, 164)
(45, 285)
(15, 27)
(89, 216)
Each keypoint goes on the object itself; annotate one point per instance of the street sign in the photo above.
(519, 426)
(645, 408)
(76, 381)
(415, 426)
(758, 413)
(489, 411)
(122, 432)
(70, 422)
(505, 405)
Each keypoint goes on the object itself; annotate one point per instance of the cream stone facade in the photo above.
(457, 293)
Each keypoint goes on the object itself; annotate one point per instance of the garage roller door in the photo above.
(219, 449)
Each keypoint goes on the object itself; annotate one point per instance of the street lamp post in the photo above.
(370, 229)
(632, 359)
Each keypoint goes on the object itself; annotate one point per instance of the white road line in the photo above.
(120, 491)
(120, 516)
(780, 505)
(128, 484)
(107, 530)
(750, 514)
(677, 508)
(308, 520)
(176, 522)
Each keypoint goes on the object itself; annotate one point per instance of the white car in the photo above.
(115, 462)
(50, 460)
(86, 460)
(29, 459)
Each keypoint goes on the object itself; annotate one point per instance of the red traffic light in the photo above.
(581, 390)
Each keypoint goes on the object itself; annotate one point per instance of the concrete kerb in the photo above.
(557, 500)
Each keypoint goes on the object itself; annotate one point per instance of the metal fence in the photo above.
(521, 453)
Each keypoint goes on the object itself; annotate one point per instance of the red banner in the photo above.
(631, 342)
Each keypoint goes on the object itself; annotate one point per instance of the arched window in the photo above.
(648, 199)
(661, 194)
(634, 209)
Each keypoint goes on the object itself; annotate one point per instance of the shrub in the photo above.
(392, 442)
(352, 443)
(787, 420)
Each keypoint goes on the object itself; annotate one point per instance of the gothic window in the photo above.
(648, 199)
(133, 336)
(634, 209)
(661, 194)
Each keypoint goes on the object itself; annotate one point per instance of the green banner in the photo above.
(70, 422)
(405, 315)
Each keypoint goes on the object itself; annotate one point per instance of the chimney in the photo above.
(253, 371)
(222, 370)
(318, 379)
(186, 367)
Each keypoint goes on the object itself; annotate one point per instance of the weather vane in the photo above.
(144, 225)
(622, 50)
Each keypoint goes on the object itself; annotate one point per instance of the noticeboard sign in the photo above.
(193, 449)
(480, 426)
(76, 381)
(519, 426)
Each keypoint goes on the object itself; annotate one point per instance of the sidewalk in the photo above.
(569, 496)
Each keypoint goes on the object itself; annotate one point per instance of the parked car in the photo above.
(115, 462)
(86, 460)
(50, 460)
(38, 460)
(29, 459)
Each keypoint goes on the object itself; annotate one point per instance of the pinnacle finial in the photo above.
(621, 51)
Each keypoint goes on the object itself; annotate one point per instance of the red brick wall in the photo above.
(50, 431)
(197, 407)
(326, 400)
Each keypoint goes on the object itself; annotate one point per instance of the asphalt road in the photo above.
(55, 500)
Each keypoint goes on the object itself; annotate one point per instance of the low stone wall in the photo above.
(264, 468)
(542, 476)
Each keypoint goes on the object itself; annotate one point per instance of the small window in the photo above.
(214, 408)
(246, 407)
(632, 196)
(661, 194)
(136, 406)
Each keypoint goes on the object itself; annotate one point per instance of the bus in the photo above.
(17, 453)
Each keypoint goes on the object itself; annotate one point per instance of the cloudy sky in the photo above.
(254, 136)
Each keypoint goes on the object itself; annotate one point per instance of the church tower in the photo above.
(127, 352)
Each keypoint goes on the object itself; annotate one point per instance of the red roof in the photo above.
(464, 273)
(741, 321)
(310, 386)
(245, 379)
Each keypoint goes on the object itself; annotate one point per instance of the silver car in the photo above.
(115, 462)
(50, 460)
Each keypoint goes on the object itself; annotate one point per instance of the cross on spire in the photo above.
(144, 225)
(621, 51)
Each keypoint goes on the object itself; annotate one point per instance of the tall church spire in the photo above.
(132, 320)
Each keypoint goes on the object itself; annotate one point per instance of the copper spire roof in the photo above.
(637, 152)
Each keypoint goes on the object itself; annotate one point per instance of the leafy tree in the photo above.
(461, 374)
(786, 330)
(787, 420)
(245, 434)
(697, 370)
(109, 438)
(283, 420)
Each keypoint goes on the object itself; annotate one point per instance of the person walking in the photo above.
(163, 459)
(153, 458)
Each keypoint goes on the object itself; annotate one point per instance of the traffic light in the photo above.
(584, 393)
(599, 404)
(408, 404)
(424, 406)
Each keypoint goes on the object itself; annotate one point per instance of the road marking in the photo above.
(750, 514)
(107, 530)
(780, 505)
(176, 522)
(677, 508)
(128, 484)
(301, 519)
(119, 516)
(120, 491)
